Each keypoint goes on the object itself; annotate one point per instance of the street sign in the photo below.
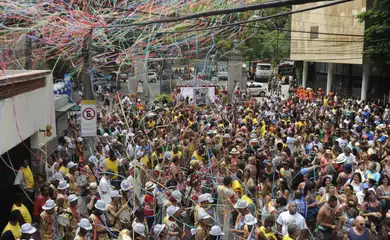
(88, 118)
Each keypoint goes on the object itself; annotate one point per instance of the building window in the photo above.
(314, 32)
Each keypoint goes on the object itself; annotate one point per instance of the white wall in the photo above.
(33, 111)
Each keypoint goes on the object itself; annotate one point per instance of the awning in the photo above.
(66, 107)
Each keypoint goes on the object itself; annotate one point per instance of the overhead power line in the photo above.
(252, 7)
(261, 19)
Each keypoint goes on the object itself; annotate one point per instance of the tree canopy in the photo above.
(377, 33)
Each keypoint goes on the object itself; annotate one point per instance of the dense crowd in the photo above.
(309, 165)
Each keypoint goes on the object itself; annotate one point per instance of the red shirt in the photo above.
(148, 208)
(39, 202)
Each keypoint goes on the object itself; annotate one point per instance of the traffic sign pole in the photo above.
(89, 141)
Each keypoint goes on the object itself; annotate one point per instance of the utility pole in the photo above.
(87, 88)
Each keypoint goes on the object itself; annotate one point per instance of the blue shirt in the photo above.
(301, 207)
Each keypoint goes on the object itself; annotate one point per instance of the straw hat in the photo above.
(139, 228)
(202, 215)
(72, 198)
(149, 185)
(171, 210)
(205, 197)
(84, 223)
(115, 194)
(70, 165)
(234, 151)
(216, 231)
(62, 185)
(241, 204)
(250, 219)
(27, 228)
(49, 204)
(58, 176)
(101, 205)
(158, 228)
(125, 185)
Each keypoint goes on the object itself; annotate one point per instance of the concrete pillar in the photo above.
(140, 74)
(244, 79)
(329, 82)
(365, 81)
(234, 69)
(305, 73)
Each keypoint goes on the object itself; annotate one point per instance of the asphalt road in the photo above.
(155, 87)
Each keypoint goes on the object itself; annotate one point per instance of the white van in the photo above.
(263, 71)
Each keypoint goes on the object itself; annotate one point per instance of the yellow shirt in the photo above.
(254, 121)
(24, 212)
(262, 131)
(287, 237)
(197, 156)
(28, 177)
(178, 154)
(151, 124)
(236, 186)
(269, 235)
(326, 102)
(14, 229)
(64, 169)
(144, 160)
(112, 165)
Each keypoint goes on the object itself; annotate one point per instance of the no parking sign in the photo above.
(88, 118)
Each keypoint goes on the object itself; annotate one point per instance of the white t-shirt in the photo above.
(286, 219)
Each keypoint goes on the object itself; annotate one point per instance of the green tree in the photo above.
(377, 33)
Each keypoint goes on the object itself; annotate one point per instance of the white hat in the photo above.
(139, 228)
(120, 122)
(234, 151)
(177, 195)
(202, 214)
(149, 185)
(27, 228)
(105, 135)
(216, 231)
(93, 185)
(84, 223)
(171, 210)
(341, 159)
(93, 159)
(158, 228)
(70, 165)
(72, 197)
(168, 156)
(250, 219)
(194, 230)
(115, 194)
(62, 185)
(58, 176)
(241, 204)
(101, 205)
(140, 154)
(125, 185)
(49, 204)
(205, 197)
(79, 139)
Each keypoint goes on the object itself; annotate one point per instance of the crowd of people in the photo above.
(286, 168)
